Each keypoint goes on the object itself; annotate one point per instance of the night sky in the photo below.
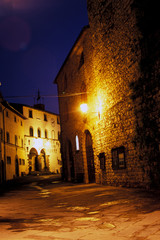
(35, 38)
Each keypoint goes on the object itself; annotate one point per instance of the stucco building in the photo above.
(41, 138)
(29, 140)
(12, 155)
(113, 70)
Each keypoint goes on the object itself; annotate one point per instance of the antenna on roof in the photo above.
(39, 105)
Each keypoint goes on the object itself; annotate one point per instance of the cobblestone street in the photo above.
(46, 208)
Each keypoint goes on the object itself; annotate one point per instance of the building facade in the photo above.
(13, 162)
(29, 140)
(42, 140)
(112, 71)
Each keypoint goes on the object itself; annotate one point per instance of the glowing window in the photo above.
(77, 143)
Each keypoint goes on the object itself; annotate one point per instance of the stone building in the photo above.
(113, 72)
(29, 140)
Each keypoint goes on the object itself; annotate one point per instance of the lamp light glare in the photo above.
(84, 107)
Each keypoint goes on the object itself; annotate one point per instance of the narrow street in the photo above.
(46, 208)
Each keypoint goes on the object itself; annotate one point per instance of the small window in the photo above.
(21, 123)
(118, 158)
(23, 162)
(8, 137)
(39, 133)
(8, 160)
(77, 143)
(30, 114)
(22, 143)
(20, 162)
(45, 117)
(46, 134)
(15, 119)
(81, 60)
(31, 131)
(7, 114)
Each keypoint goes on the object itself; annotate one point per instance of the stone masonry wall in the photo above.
(116, 95)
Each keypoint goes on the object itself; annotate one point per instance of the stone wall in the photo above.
(117, 99)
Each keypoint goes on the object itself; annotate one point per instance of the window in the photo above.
(46, 134)
(7, 115)
(77, 143)
(20, 162)
(31, 131)
(16, 140)
(8, 137)
(15, 119)
(23, 162)
(30, 114)
(39, 133)
(21, 123)
(8, 160)
(45, 117)
(81, 60)
(118, 158)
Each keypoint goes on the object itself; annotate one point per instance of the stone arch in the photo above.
(44, 159)
(89, 156)
(33, 160)
(69, 169)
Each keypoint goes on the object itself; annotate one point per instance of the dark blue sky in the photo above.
(35, 38)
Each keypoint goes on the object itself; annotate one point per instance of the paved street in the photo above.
(46, 208)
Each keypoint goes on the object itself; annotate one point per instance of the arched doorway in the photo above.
(90, 157)
(16, 167)
(33, 160)
(44, 160)
(71, 160)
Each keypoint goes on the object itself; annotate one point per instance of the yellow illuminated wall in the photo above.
(48, 141)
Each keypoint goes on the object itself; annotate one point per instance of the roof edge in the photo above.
(79, 36)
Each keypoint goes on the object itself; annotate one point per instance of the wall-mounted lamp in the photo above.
(84, 109)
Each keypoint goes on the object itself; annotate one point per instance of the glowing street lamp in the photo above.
(84, 107)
